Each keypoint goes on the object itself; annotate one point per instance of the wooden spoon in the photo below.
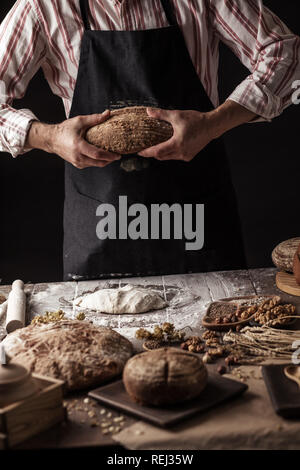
(293, 373)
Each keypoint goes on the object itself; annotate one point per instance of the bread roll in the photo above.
(283, 254)
(129, 130)
(164, 376)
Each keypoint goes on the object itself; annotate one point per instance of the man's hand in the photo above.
(194, 130)
(191, 134)
(67, 140)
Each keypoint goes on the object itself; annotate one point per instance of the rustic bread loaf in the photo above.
(164, 376)
(296, 265)
(129, 130)
(283, 254)
(81, 354)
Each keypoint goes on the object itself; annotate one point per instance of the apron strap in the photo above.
(84, 7)
(169, 12)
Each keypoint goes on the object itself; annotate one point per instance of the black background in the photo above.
(264, 160)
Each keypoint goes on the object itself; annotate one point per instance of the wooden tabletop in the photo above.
(188, 296)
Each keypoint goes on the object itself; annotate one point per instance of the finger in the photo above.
(86, 162)
(160, 150)
(91, 120)
(96, 153)
(163, 114)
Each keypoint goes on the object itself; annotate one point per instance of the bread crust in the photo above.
(129, 130)
(164, 376)
(283, 254)
(81, 354)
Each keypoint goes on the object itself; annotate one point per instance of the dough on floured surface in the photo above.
(127, 299)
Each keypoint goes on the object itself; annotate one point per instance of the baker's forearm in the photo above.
(40, 136)
(228, 116)
(67, 139)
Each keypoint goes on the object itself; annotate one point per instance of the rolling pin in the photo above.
(16, 307)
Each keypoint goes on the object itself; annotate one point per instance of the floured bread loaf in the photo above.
(81, 354)
(283, 254)
(129, 130)
(164, 376)
(127, 299)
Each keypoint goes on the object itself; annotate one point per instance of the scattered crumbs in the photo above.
(138, 432)
(102, 412)
(111, 428)
(80, 316)
(91, 414)
(109, 415)
(86, 400)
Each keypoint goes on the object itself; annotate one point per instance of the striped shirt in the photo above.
(47, 34)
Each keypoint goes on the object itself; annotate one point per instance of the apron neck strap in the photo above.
(85, 9)
(168, 8)
(169, 12)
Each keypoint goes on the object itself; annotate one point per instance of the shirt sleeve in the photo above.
(266, 46)
(22, 50)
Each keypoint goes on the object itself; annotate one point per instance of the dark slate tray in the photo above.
(284, 393)
(218, 390)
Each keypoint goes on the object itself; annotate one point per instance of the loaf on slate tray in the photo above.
(296, 265)
(81, 354)
(283, 254)
(129, 130)
(164, 376)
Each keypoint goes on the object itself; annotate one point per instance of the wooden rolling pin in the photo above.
(16, 307)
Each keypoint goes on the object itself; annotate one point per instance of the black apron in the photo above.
(152, 68)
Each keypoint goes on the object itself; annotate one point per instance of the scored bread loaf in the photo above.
(283, 254)
(81, 354)
(129, 130)
(164, 376)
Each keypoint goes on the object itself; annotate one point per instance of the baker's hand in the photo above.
(192, 132)
(67, 140)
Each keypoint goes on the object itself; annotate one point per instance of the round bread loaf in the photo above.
(296, 265)
(129, 130)
(81, 354)
(283, 254)
(164, 376)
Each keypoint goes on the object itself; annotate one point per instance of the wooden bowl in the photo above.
(209, 323)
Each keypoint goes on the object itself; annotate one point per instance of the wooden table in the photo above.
(188, 295)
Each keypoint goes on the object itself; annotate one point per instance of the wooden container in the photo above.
(35, 414)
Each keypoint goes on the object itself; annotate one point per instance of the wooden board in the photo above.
(24, 419)
(217, 391)
(287, 283)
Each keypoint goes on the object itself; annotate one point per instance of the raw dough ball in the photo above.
(128, 299)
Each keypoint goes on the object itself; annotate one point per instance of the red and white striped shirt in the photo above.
(47, 34)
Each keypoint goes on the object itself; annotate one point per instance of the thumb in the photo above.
(91, 120)
(158, 113)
